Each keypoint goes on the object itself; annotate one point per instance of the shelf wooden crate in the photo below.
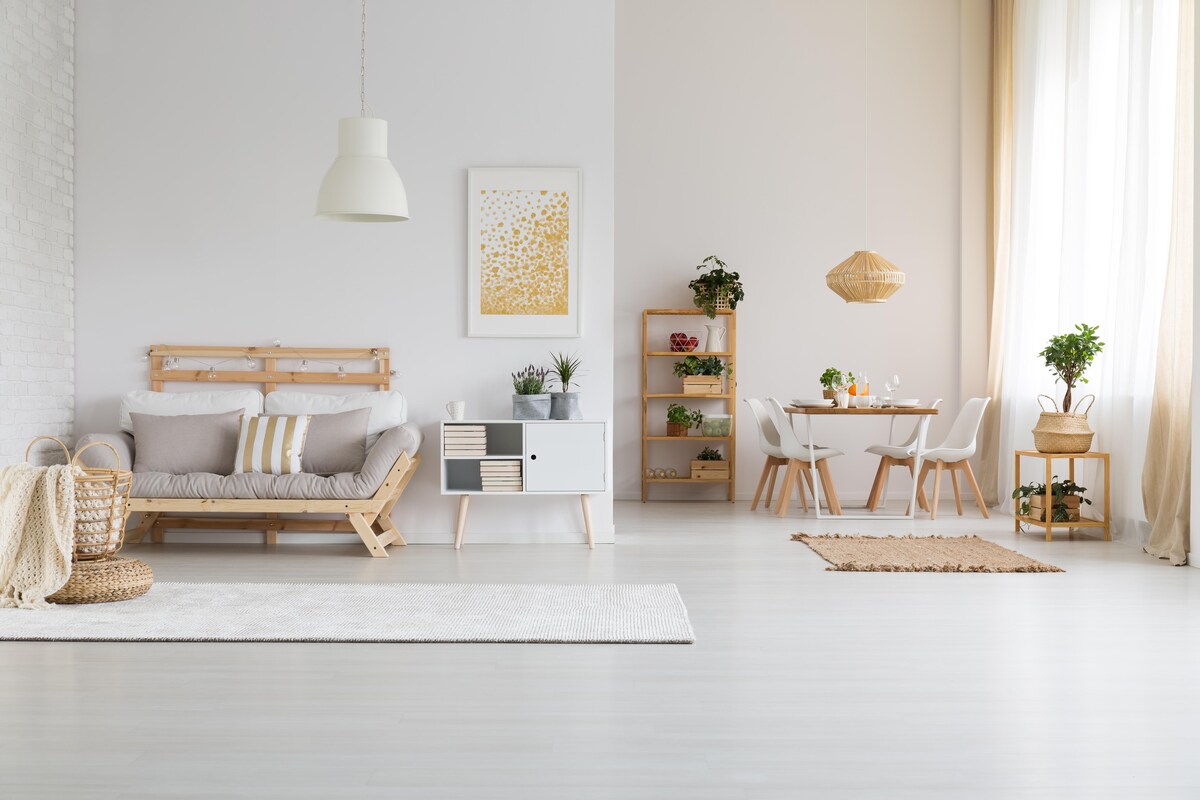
(713, 390)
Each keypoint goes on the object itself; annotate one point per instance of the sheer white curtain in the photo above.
(1093, 131)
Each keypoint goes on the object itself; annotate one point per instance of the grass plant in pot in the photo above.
(717, 289)
(681, 419)
(1068, 357)
(702, 375)
(831, 379)
(564, 404)
(530, 399)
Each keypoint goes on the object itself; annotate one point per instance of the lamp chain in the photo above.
(362, 64)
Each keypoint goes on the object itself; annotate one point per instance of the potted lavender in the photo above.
(530, 398)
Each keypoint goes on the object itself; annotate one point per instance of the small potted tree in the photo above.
(530, 400)
(702, 375)
(681, 419)
(710, 465)
(564, 404)
(717, 289)
(1068, 357)
(831, 379)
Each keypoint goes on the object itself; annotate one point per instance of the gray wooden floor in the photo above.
(802, 683)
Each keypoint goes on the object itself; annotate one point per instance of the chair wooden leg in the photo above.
(953, 468)
(937, 489)
(801, 474)
(970, 476)
(762, 481)
(785, 491)
(922, 499)
(873, 497)
(808, 481)
(775, 465)
(835, 506)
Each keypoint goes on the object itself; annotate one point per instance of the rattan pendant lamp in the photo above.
(362, 185)
(866, 276)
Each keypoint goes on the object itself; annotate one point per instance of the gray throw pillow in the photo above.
(336, 442)
(186, 443)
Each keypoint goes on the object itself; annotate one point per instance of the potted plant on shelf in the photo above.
(564, 404)
(530, 400)
(710, 465)
(1068, 356)
(1066, 497)
(702, 375)
(831, 379)
(681, 419)
(717, 289)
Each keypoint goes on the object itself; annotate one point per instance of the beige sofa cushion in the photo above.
(185, 443)
(336, 442)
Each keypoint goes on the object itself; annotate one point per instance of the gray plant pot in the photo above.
(531, 406)
(565, 405)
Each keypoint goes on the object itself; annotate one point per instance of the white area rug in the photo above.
(335, 612)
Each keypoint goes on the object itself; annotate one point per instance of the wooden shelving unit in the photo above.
(654, 410)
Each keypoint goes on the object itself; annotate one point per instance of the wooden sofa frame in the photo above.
(370, 518)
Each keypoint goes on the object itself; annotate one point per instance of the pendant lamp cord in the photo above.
(866, 128)
(362, 64)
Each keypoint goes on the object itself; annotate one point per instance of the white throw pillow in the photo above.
(170, 404)
(388, 409)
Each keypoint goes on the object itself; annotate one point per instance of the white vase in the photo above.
(715, 342)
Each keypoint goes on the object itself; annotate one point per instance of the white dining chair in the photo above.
(953, 454)
(799, 466)
(768, 442)
(896, 455)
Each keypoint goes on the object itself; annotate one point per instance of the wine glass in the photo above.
(892, 385)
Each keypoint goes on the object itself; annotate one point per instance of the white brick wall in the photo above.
(37, 162)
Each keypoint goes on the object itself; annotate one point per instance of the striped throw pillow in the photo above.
(271, 445)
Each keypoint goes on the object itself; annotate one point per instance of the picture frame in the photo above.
(523, 235)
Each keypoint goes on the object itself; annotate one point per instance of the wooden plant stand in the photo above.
(1049, 526)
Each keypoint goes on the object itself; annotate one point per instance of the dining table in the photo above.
(923, 415)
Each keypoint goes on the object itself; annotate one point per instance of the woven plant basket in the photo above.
(1063, 432)
(101, 503)
(108, 581)
(722, 303)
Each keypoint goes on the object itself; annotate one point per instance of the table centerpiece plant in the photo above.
(831, 379)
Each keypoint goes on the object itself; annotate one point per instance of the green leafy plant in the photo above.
(833, 378)
(1070, 354)
(531, 380)
(1058, 491)
(682, 415)
(709, 454)
(716, 280)
(694, 365)
(563, 369)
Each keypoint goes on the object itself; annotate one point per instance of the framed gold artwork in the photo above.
(523, 251)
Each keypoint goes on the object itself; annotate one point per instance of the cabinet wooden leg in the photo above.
(464, 502)
(586, 502)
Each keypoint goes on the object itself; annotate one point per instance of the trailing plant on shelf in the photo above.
(709, 454)
(530, 400)
(1069, 355)
(1059, 491)
(717, 288)
(563, 370)
(694, 365)
(681, 419)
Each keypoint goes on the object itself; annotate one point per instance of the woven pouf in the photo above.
(106, 581)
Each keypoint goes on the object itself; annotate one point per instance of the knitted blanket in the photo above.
(37, 532)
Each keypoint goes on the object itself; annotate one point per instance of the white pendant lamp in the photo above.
(362, 185)
(866, 276)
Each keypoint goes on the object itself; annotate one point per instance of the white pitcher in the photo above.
(715, 343)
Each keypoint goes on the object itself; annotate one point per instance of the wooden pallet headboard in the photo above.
(324, 370)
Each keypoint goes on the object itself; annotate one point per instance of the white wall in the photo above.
(36, 200)
(204, 131)
(740, 132)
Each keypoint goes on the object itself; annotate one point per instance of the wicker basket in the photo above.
(101, 503)
(1063, 432)
(722, 303)
(106, 581)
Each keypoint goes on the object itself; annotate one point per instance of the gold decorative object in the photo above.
(865, 277)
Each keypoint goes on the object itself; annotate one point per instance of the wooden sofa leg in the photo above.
(363, 529)
(144, 525)
(385, 525)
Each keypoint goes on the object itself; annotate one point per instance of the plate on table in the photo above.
(906, 403)
(813, 403)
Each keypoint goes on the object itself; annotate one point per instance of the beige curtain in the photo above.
(1001, 177)
(1166, 476)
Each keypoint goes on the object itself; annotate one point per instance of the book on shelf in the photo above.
(466, 451)
(461, 430)
(473, 438)
(516, 488)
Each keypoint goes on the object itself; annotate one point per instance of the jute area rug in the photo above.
(852, 553)
(330, 612)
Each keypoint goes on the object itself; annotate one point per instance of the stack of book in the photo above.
(500, 476)
(466, 440)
